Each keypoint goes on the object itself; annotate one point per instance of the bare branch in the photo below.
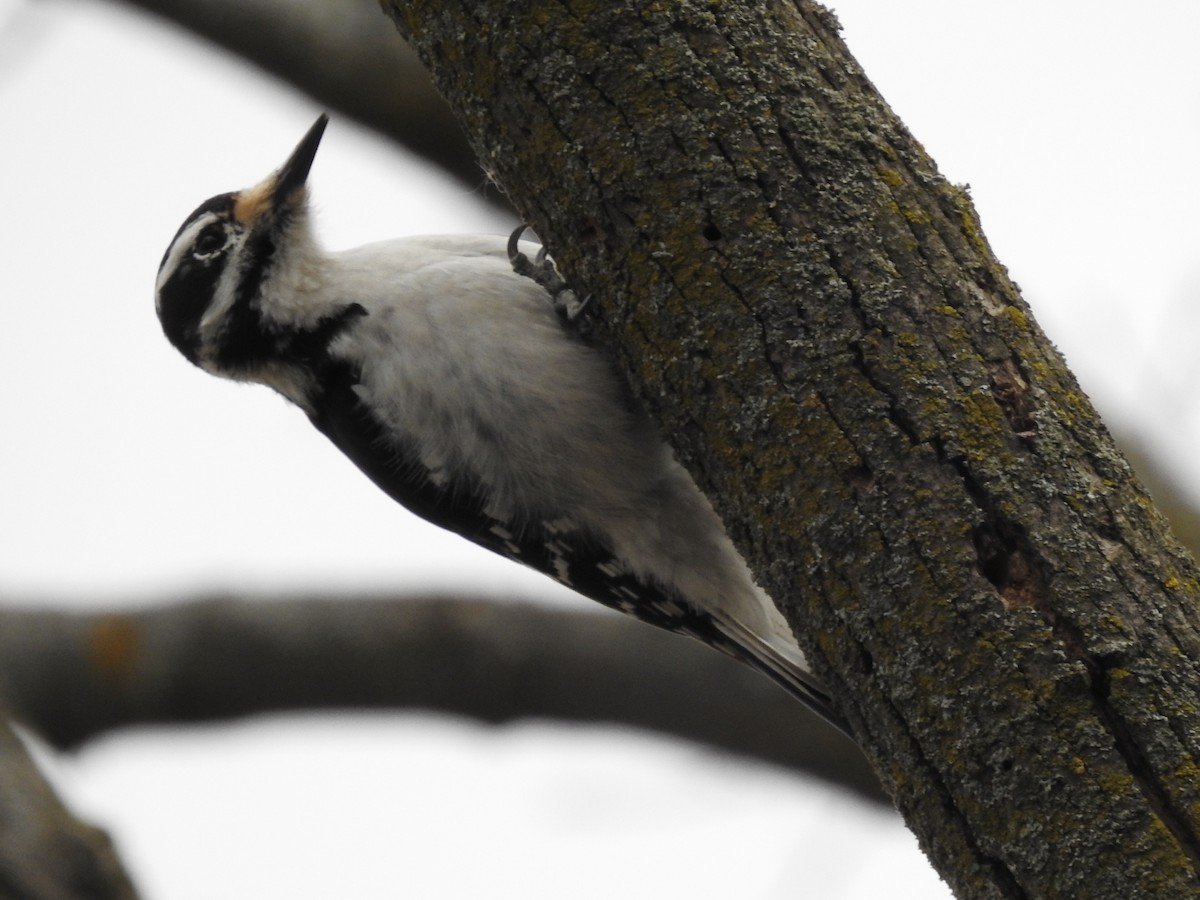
(346, 56)
(72, 676)
(45, 852)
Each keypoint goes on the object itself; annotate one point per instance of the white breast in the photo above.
(470, 361)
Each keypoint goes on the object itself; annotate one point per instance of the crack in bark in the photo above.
(1004, 554)
(1127, 746)
(1008, 559)
(1002, 874)
(1022, 578)
(1012, 394)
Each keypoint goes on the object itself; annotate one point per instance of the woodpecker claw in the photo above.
(575, 313)
(514, 255)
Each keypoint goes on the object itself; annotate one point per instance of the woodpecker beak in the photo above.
(294, 173)
(280, 190)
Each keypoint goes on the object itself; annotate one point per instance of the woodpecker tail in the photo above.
(784, 664)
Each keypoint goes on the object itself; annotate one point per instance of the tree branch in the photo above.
(346, 57)
(72, 676)
(45, 852)
(815, 318)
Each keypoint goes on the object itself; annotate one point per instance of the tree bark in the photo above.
(814, 317)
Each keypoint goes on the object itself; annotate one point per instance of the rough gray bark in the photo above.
(815, 318)
(72, 676)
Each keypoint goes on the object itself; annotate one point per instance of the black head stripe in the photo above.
(245, 340)
(221, 205)
(182, 302)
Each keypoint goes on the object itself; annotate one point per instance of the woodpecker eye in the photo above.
(211, 240)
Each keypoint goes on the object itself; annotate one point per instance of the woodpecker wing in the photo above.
(582, 561)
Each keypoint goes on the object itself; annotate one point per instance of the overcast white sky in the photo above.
(128, 474)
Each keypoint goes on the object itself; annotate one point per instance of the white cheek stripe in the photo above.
(222, 302)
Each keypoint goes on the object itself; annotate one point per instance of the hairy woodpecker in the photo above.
(458, 387)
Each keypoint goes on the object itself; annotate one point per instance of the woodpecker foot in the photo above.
(575, 313)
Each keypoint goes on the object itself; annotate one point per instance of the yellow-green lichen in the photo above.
(1017, 317)
(890, 177)
(1116, 782)
(1187, 770)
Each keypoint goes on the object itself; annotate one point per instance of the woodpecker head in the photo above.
(222, 263)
